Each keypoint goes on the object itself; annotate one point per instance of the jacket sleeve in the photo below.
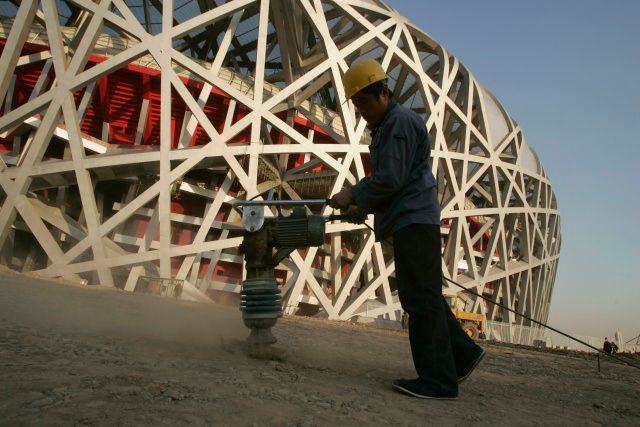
(396, 154)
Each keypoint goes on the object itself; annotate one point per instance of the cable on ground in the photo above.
(618, 358)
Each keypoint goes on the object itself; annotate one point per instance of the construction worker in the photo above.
(614, 347)
(401, 193)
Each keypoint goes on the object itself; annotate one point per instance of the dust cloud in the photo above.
(73, 355)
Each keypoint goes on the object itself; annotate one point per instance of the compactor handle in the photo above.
(302, 202)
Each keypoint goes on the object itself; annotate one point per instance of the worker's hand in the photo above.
(353, 215)
(341, 200)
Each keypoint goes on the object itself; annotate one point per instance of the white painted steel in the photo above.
(501, 225)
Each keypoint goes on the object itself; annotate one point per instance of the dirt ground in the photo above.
(92, 356)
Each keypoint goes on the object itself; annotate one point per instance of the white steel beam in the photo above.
(499, 212)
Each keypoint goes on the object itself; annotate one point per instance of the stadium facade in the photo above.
(128, 126)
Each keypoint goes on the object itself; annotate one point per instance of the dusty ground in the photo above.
(71, 355)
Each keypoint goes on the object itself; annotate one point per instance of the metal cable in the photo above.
(620, 359)
(637, 338)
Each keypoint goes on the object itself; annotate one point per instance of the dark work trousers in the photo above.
(438, 343)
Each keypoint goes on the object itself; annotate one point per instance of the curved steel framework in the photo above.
(127, 126)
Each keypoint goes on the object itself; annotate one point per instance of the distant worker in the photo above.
(607, 346)
(614, 347)
(401, 193)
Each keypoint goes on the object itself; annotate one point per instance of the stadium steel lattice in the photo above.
(127, 127)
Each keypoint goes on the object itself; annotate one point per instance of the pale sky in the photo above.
(567, 72)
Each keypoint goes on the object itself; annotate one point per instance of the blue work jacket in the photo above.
(401, 189)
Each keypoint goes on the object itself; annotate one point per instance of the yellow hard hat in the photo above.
(362, 74)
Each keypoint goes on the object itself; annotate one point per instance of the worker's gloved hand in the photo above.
(341, 200)
(353, 215)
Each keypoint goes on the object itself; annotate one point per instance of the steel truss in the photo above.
(128, 126)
